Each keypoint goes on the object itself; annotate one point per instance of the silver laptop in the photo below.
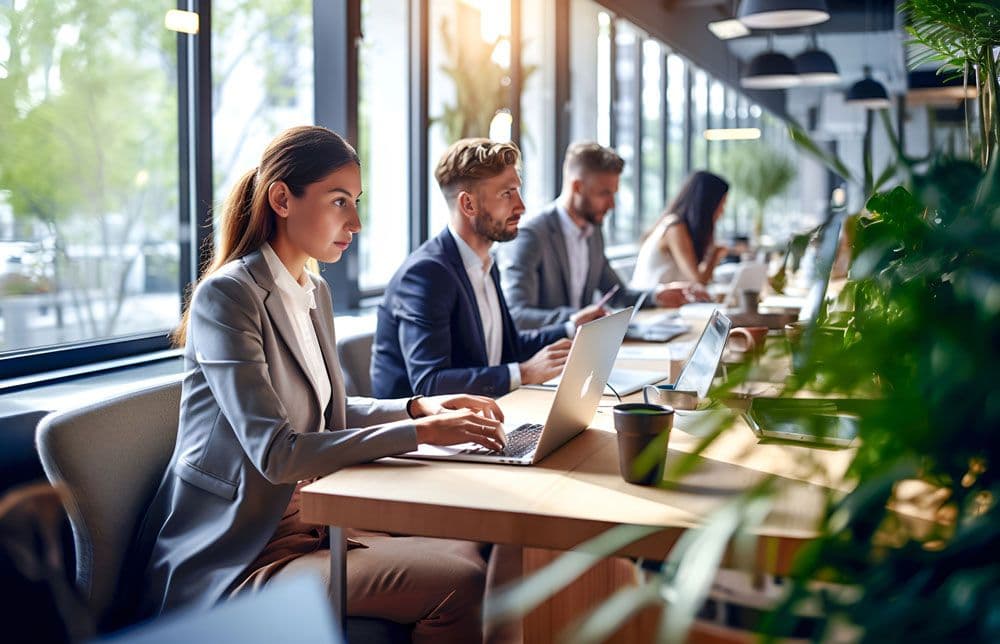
(626, 381)
(699, 370)
(748, 276)
(577, 396)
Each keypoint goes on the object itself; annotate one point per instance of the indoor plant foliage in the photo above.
(482, 85)
(924, 329)
(758, 173)
(963, 35)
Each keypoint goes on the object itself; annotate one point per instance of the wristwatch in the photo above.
(409, 403)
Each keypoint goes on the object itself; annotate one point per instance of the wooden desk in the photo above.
(576, 493)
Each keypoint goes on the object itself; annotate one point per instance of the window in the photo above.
(469, 81)
(590, 73)
(382, 140)
(652, 133)
(621, 226)
(89, 175)
(262, 81)
(716, 119)
(537, 99)
(677, 123)
(699, 115)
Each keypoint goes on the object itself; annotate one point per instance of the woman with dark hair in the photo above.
(681, 245)
(263, 412)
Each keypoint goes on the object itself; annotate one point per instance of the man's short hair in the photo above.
(467, 161)
(591, 157)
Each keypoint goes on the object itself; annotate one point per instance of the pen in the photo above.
(607, 296)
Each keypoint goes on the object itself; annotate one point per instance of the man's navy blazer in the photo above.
(430, 339)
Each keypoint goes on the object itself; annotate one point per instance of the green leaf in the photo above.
(802, 139)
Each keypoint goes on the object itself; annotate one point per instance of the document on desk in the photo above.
(664, 351)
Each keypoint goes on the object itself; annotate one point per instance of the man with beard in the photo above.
(557, 264)
(443, 325)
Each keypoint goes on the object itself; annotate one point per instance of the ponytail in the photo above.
(298, 156)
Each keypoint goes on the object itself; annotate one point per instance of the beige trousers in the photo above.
(436, 584)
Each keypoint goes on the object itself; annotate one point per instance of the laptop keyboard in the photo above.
(521, 440)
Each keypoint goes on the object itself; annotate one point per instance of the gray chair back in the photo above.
(109, 457)
(355, 352)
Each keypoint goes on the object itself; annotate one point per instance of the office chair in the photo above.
(109, 457)
(355, 352)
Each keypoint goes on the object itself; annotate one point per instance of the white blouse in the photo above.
(298, 300)
(654, 266)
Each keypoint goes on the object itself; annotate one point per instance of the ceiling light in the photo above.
(770, 70)
(732, 134)
(728, 29)
(182, 21)
(782, 14)
(868, 93)
(816, 67)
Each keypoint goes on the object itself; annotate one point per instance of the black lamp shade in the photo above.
(869, 93)
(770, 70)
(782, 14)
(816, 67)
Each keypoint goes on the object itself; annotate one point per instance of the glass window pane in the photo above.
(537, 98)
(652, 133)
(382, 140)
(622, 224)
(699, 115)
(677, 106)
(590, 73)
(88, 175)
(262, 81)
(469, 81)
(716, 110)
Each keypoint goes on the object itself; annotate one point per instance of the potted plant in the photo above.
(910, 553)
(758, 173)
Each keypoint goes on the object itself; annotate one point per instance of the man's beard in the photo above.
(589, 215)
(496, 231)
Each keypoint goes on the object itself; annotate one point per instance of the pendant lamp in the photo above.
(770, 70)
(868, 93)
(815, 66)
(782, 14)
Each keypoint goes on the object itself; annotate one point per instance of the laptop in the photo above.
(811, 304)
(699, 370)
(577, 396)
(748, 276)
(826, 255)
(661, 329)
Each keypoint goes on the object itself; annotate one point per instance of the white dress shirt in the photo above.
(298, 300)
(488, 302)
(578, 253)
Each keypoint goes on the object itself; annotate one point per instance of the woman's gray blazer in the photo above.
(247, 435)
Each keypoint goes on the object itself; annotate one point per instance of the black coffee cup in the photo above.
(642, 427)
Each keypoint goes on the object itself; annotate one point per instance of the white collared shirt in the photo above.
(488, 302)
(578, 253)
(298, 299)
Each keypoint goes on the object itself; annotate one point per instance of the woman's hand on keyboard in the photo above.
(462, 426)
(430, 405)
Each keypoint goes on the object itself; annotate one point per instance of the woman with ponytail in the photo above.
(263, 412)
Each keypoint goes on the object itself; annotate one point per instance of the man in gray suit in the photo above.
(557, 263)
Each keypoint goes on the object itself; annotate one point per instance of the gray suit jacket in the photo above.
(534, 272)
(247, 435)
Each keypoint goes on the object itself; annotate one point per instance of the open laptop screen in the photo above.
(825, 256)
(700, 368)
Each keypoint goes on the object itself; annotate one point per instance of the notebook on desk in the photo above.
(577, 396)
